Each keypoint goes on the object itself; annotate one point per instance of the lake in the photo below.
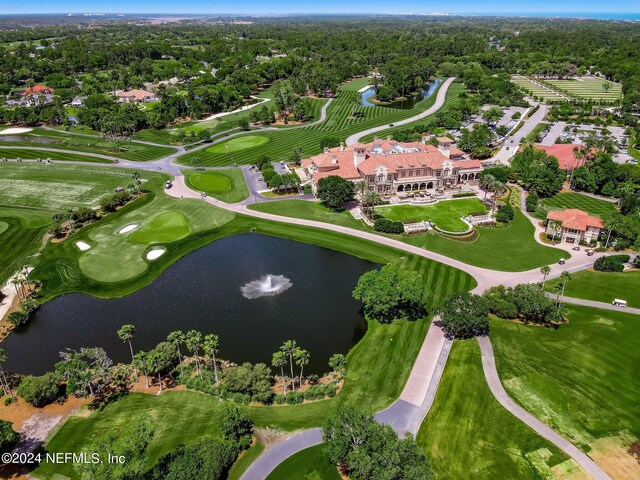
(406, 104)
(202, 291)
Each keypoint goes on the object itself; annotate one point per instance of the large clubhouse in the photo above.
(390, 167)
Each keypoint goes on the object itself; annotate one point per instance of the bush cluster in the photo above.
(526, 301)
(505, 213)
(111, 203)
(388, 226)
(613, 263)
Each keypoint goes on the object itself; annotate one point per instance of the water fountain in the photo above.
(266, 286)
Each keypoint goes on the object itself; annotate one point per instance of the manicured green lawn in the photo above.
(34, 154)
(127, 150)
(590, 88)
(237, 144)
(581, 379)
(308, 210)
(339, 122)
(21, 233)
(562, 201)
(228, 185)
(445, 215)
(603, 286)
(181, 417)
(309, 464)
(468, 434)
(510, 249)
(164, 228)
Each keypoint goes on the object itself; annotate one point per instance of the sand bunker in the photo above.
(83, 246)
(128, 228)
(14, 131)
(155, 253)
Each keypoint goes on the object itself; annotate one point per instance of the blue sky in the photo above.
(576, 7)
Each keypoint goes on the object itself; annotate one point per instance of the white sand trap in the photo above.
(83, 246)
(14, 131)
(128, 228)
(155, 253)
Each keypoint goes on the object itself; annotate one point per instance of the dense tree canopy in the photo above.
(464, 315)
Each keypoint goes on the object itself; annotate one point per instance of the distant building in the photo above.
(135, 96)
(390, 167)
(78, 102)
(31, 96)
(577, 226)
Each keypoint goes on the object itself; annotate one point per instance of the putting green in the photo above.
(239, 143)
(164, 228)
(3, 227)
(210, 182)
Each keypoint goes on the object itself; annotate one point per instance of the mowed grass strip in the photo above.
(509, 249)
(311, 463)
(536, 89)
(21, 234)
(468, 434)
(589, 88)
(581, 379)
(339, 122)
(308, 210)
(34, 154)
(564, 200)
(603, 286)
(446, 215)
(228, 185)
(181, 418)
(59, 186)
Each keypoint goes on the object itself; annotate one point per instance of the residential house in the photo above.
(135, 96)
(577, 226)
(390, 167)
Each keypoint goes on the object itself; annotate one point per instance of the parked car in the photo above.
(576, 248)
(590, 252)
(168, 184)
(562, 261)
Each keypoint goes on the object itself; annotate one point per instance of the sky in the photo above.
(516, 7)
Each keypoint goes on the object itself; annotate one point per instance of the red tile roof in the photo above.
(138, 94)
(576, 219)
(36, 89)
(564, 153)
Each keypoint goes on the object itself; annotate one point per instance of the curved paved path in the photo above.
(491, 374)
(402, 416)
(440, 99)
(405, 415)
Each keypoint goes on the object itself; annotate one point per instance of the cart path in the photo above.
(593, 304)
(546, 432)
(440, 99)
(405, 415)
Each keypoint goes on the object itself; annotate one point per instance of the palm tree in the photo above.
(564, 278)
(556, 226)
(193, 341)
(5, 384)
(136, 178)
(545, 270)
(141, 361)
(302, 359)
(211, 347)
(289, 348)
(557, 288)
(279, 359)
(177, 337)
(155, 361)
(127, 334)
(486, 183)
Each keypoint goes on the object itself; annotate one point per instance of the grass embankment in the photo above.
(34, 154)
(196, 417)
(603, 286)
(60, 140)
(339, 123)
(228, 185)
(446, 215)
(311, 463)
(510, 249)
(245, 461)
(562, 201)
(58, 187)
(468, 434)
(21, 234)
(309, 211)
(581, 379)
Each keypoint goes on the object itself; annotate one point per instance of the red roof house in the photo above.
(564, 153)
(577, 226)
